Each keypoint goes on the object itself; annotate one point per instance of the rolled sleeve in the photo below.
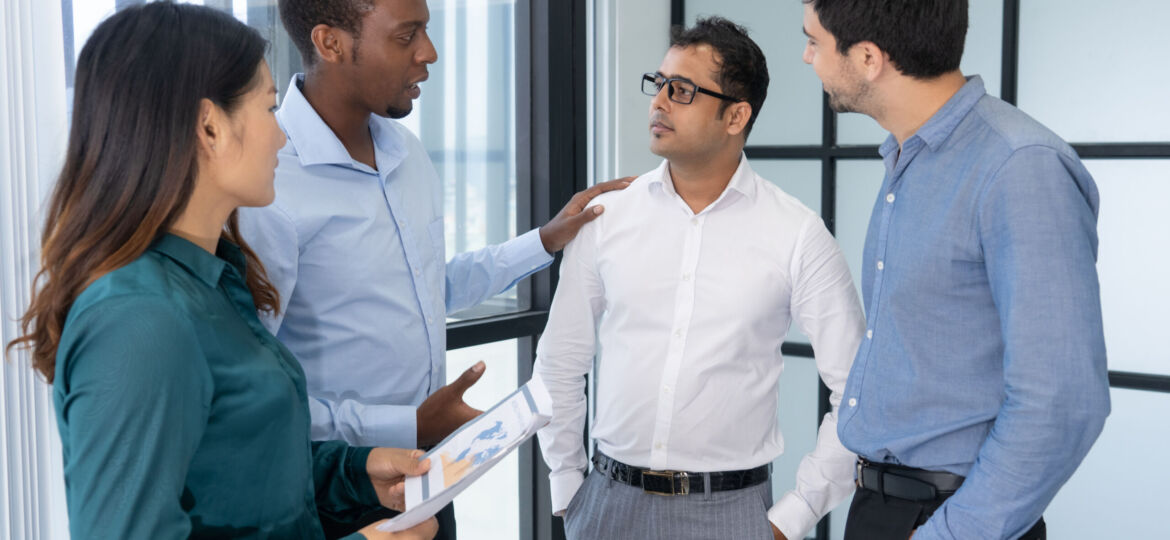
(364, 424)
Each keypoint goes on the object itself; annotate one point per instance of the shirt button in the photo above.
(852, 402)
(417, 273)
(869, 334)
(695, 221)
(430, 320)
(881, 265)
(658, 446)
(890, 198)
(687, 276)
(666, 389)
(678, 333)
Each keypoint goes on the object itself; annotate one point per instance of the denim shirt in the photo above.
(984, 354)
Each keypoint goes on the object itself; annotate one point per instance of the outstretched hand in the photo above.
(444, 411)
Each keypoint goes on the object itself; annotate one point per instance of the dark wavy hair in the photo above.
(300, 16)
(131, 164)
(924, 38)
(743, 72)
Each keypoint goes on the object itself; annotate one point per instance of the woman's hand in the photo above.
(388, 469)
(423, 531)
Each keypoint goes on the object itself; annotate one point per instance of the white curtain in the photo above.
(33, 134)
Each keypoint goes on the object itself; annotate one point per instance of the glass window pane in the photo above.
(466, 120)
(489, 508)
(858, 182)
(982, 55)
(801, 179)
(1135, 202)
(1095, 71)
(792, 111)
(1117, 491)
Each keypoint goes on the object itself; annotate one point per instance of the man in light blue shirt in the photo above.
(982, 381)
(354, 241)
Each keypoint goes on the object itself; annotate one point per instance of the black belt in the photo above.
(678, 482)
(906, 482)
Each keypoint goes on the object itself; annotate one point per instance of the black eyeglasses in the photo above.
(678, 90)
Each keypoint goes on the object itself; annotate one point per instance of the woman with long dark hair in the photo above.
(180, 415)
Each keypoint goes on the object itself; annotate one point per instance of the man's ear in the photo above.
(333, 45)
(210, 130)
(737, 116)
(869, 60)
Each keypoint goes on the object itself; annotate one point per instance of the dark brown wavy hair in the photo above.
(132, 159)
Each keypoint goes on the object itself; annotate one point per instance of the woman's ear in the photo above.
(209, 129)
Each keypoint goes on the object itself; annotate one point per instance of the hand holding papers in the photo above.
(473, 449)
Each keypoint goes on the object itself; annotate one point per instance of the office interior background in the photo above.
(532, 100)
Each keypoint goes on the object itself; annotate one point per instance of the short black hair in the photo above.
(743, 72)
(924, 38)
(300, 16)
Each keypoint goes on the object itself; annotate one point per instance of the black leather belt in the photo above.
(906, 482)
(678, 482)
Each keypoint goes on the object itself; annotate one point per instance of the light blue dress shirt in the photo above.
(984, 355)
(358, 257)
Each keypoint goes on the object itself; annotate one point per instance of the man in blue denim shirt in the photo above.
(982, 382)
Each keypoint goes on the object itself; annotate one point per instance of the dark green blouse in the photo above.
(181, 416)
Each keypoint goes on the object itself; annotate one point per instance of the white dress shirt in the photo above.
(686, 314)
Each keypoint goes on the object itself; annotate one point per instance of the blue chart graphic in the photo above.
(485, 445)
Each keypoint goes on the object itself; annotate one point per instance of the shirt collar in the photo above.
(316, 144)
(205, 266)
(939, 127)
(742, 182)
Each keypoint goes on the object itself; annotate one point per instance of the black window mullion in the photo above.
(1010, 63)
(678, 12)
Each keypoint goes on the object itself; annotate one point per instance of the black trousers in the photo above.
(334, 530)
(872, 517)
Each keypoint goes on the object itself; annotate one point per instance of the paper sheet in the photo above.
(471, 451)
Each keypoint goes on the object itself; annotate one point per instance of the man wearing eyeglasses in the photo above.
(684, 291)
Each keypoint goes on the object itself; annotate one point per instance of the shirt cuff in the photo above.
(792, 516)
(562, 487)
(395, 426)
(530, 252)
